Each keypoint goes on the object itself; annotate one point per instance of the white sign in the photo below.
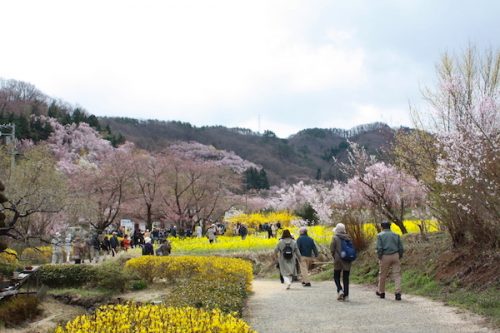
(128, 225)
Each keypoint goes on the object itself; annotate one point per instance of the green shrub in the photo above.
(18, 309)
(138, 285)
(58, 276)
(111, 275)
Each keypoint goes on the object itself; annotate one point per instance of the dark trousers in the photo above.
(345, 281)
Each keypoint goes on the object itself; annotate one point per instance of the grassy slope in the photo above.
(432, 269)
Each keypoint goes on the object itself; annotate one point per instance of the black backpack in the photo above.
(288, 251)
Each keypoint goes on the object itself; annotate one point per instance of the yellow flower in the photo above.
(131, 318)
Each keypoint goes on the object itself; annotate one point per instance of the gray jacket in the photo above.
(288, 267)
(389, 242)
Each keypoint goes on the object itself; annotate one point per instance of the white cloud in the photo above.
(280, 128)
(178, 54)
(322, 67)
(368, 113)
(221, 61)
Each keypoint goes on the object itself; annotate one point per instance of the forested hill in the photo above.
(305, 155)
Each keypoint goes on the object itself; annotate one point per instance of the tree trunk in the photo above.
(401, 226)
(149, 217)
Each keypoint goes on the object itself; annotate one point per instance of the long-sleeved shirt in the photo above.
(307, 246)
(389, 242)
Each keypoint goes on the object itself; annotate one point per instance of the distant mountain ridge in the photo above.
(305, 155)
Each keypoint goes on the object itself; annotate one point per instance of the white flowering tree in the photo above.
(319, 196)
(389, 191)
(466, 122)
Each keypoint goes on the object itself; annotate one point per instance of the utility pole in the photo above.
(10, 139)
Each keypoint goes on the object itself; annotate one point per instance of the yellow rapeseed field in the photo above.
(253, 220)
(132, 318)
(259, 241)
(182, 267)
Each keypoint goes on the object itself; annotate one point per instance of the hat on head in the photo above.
(339, 228)
(385, 225)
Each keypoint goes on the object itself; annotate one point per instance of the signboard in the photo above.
(128, 225)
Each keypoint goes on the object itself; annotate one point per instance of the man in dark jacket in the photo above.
(243, 231)
(113, 243)
(389, 251)
(307, 249)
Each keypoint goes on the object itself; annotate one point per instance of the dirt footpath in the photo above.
(272, 309)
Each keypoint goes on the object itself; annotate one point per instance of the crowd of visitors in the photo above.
(294, 257)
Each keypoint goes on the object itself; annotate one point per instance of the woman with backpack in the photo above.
(288, 254)
(341, 264)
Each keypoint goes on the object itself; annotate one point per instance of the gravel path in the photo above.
(272, 309)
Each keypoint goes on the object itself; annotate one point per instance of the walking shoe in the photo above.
(307, 284)
(398, 297)
(346, 298)
(288, 285)
(340, 295)
(381, 295)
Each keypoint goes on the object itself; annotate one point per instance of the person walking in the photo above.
(288, 253)
(340, 266)
(308, 251)
(389, 251)
(274, 230)
(211, 233)
(269, 231)
(113, 242)
(147, 249)
(243, 231)
(95, 247)
(78, 250)
(164, 249)
(57, 252)
(106, 245)
(198, 230)
(125, 243)
(67, 244)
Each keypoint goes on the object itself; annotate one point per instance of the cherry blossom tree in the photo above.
(77, 145)
(388, 190)
(100, 191)
(198, 152)
(319, 196)
(147, 172)
(193, 191)
(461, 169)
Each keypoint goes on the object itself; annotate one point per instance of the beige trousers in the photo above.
(305, 265)
(385, 264)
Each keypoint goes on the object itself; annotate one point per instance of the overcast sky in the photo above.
(290, 64)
